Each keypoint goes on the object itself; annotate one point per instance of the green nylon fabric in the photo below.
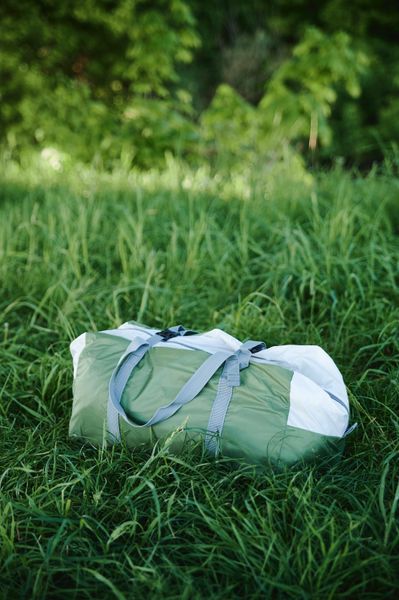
(255, 427)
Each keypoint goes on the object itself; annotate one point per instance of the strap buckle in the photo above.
(258, 348)
(172, 332)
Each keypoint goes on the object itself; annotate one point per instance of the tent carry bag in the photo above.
(277, 405)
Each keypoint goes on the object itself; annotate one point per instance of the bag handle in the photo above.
(229, 379)
(233, 361)
(128, 361)
(188, 392)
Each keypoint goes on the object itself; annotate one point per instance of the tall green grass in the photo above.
(264, 258)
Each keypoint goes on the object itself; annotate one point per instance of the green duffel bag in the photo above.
(276, 405)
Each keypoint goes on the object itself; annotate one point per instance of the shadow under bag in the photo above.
(276, 405)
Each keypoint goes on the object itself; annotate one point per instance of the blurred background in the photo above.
(233, 84)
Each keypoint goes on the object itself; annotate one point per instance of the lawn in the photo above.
(267, 258)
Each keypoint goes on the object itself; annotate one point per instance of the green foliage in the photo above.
(356, 128)
(232, 138)
(295, 108)
(229, 123)
(71, 71)
(301, 93)
(267, 260)
(367, 128)
(152, 128)
(318, 77)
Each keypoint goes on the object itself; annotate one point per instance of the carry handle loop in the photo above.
(128, 361)
(136, 351)
(229, 379)
(240, 360)
(188, 392)
(191, 388)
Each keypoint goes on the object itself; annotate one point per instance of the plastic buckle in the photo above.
(258, 348)
(167, 334)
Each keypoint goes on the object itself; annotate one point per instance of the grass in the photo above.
(265, 259)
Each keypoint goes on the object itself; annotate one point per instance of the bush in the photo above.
(72, 71)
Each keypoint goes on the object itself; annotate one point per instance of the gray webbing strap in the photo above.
(119, 378)
(188, 392)
(229, 379)
(233, 363)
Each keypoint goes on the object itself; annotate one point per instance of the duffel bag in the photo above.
(277, 405)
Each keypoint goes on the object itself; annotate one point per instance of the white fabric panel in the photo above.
(141, 328)
(76, 348)
(312, 409)
(311, 361)
(210, 341)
